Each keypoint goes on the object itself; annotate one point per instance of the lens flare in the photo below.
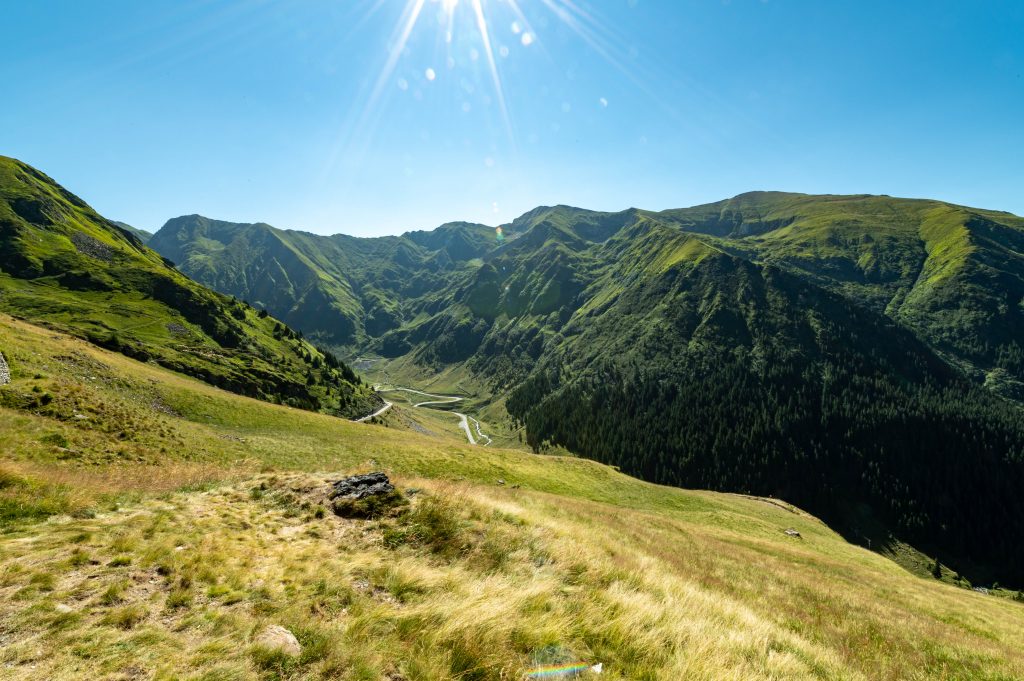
(473, 39)
(555, 671)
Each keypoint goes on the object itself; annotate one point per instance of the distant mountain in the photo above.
(64, 265)
(143, 235)
(858, 355)
(339, 290)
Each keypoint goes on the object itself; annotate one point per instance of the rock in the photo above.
(5, 372)
(279, 639)
(361, 486)
(94, 248)
(793, 533)
(177, 329)
(501, 481)
(364, 496)
(63, 609)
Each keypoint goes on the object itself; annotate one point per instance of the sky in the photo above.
(372, 117)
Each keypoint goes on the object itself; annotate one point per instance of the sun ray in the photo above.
(412, 13)
(485, 37)
(362, 126)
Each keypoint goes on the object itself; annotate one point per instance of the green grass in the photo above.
(171, 564)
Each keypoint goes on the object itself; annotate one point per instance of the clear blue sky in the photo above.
(306, 114)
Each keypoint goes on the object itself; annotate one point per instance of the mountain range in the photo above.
(340, 290)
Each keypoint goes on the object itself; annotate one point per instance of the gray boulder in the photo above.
(364, 496)
(361, 486)
(5, 372)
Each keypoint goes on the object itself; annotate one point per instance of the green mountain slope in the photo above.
(339, 290)
(728, 375)
(64, 265)
(954, 275)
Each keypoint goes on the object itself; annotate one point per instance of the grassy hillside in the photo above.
(64, 265)
(339, 290)
(154, 525)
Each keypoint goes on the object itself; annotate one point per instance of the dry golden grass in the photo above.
(492, 581)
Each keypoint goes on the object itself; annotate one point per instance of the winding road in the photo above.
(387, 405)
(438, 399)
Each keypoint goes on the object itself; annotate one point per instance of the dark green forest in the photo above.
(822, 403)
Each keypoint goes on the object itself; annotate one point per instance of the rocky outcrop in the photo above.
(364, 496)
(5, 371)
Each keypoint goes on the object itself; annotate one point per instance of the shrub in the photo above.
(78, 558)
(272, 661)
(56, 439)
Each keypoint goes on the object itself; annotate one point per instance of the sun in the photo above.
(474, 37)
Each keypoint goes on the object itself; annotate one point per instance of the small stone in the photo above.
(63, 608)
(277, 638)
(501, 481)
(792, 533)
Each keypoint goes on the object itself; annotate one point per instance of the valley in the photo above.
(436, 400)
